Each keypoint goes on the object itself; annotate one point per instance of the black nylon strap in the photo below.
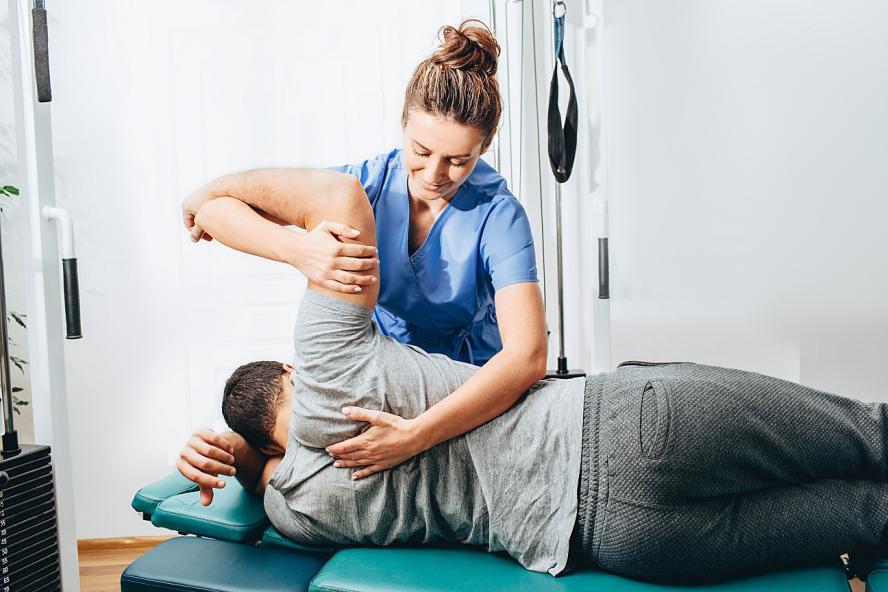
(562, 139)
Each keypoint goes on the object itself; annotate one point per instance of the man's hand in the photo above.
(205, 456)
(190, 206)
(388, 442)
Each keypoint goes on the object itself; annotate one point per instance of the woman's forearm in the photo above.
(289, 195)
(237, 225)
(502, 380)
(489, 393)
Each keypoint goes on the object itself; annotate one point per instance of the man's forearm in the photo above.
(248, 462)
(236, 225)
(287, 194)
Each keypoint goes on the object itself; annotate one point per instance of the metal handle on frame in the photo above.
(69, 270)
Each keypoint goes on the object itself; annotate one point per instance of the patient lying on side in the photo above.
(657, 472)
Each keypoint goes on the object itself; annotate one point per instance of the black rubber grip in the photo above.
(72, 298)
(41, 55)
(603, 271)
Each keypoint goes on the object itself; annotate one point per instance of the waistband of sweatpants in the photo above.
(589, 469)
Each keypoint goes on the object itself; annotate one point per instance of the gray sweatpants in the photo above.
(697, 472)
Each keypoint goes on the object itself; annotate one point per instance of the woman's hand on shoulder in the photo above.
(336, 265)
(389, 441)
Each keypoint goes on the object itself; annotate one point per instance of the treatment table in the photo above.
(235, 549)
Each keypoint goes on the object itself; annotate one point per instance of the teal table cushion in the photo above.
(469, 570)
(868, 559)
(190, 564)
(272, 538)
(235, 514)
(877, 581)
(147, 498)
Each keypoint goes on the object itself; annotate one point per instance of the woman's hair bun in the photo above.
(471, 47)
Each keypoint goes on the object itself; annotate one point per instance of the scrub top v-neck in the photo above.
(441, 298)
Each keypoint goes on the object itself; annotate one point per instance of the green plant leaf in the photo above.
(17, 410)
(21, 403)
(11, 190)
(17, 389)
(20, 319)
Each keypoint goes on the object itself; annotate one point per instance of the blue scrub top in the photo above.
(441, 298)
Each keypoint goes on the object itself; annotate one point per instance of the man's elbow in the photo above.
(349, 194)
(348, 204)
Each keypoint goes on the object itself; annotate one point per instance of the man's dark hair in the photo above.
(251, 399)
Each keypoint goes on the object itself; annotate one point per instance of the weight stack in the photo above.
(29, 546)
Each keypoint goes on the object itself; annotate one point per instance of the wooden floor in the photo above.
(103, 560)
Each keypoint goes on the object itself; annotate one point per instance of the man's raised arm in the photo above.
(286, 195)
(237, 225)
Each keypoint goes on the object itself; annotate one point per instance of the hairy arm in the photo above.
(247, 210)
(237, 225)
(284, 195)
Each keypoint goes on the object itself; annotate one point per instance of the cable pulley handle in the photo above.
(70, 279)
(562, 137)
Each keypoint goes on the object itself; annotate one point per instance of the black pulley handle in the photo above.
(69, 270)
(40, 36)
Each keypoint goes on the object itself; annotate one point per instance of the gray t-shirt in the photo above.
(509, 485)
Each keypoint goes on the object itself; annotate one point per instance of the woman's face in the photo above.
(439, 155)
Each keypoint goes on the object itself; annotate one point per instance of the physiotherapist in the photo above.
(456, 257)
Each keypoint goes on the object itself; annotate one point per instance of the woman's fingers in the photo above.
(346, 464)
(211, 437)
(345, 446)
(203, 479)
(355, 263)
(371, 416)
(206, 495)
(355, 250)
(347, 277)
(340, 229)
(209, 450)
(204, 464)
(367, 472)
(334, 285)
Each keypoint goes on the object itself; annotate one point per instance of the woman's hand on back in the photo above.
(389, 441)
(343, 267)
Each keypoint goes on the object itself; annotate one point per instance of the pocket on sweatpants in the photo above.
(654, 422)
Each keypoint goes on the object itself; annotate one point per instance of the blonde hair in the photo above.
(458, 81)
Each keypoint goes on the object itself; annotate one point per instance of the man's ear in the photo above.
(272, 450)
(287, 367)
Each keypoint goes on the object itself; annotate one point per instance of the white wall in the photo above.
(747, 170)
(151, 99)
